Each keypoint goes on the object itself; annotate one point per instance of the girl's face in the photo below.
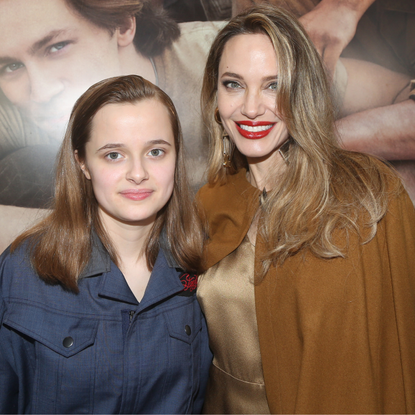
(247, 93)
(130, 160)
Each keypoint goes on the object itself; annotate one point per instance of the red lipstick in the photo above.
(253, 130)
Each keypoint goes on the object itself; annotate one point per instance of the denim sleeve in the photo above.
(9, 385)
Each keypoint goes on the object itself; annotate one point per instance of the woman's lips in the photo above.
(134, 194)
(253, 130)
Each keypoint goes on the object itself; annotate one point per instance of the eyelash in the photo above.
(59, 45)
(156, 149)
(161, 153)
(227, 84)
(107, 156)
(271, 84)
(7, 68)
(236, 85)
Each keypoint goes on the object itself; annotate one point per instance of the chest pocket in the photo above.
(60, 347)
(184, 323)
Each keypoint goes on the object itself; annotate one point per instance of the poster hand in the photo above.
(331, 26)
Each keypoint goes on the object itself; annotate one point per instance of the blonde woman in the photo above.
(310, 295)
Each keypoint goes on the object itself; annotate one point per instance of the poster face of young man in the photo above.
(49, 55)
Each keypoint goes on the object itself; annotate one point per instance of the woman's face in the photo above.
(247, 92)
(130, 160)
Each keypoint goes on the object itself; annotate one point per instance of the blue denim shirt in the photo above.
(99, 351)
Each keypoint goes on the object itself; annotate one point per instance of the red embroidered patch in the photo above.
(189, 282)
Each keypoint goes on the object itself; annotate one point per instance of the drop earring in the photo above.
(227, 150)
(226, 142)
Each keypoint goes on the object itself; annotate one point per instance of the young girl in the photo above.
(97, 312)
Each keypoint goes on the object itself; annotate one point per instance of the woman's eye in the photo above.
(113, 155)
(273, 86)
(231, 84)
(58, 46)
(157, 152)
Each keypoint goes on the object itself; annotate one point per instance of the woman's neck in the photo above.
(262, 172)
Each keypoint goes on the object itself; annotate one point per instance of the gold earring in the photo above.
(227, 150)
(216, 116)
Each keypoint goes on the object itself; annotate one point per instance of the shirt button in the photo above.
(67, 342)
(188, 330)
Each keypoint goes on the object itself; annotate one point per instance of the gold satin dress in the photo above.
(226, 294)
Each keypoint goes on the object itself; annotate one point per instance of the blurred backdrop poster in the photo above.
(51, 51)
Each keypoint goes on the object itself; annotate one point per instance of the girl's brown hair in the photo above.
(61, 244)
(322, 187)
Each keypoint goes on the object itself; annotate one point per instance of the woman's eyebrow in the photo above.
(237, 76)
(270, 78)
(232, 75)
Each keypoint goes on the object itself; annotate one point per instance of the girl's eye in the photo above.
(113, 155)
(231, 84)
(157, 152)
(273, 86)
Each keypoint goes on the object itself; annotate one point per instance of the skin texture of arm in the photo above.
(387, 132)
(371, 86)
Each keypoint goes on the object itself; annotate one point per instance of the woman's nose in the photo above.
(253, 105)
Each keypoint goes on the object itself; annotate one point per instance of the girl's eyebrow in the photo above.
(160, 141)
(120, 145)
(110, 146)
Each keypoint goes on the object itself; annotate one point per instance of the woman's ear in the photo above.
(82, 165)
(126, 33)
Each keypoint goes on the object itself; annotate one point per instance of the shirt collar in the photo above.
(99, 262)
(164, 280)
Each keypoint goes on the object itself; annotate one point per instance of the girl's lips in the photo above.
(136, 194)
(253, 130)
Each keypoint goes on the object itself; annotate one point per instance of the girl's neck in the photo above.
(128, 239)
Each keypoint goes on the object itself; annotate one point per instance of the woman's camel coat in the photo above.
(336, 336)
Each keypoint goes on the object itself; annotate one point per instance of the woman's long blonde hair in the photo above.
(323, 187)
(60, 246)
